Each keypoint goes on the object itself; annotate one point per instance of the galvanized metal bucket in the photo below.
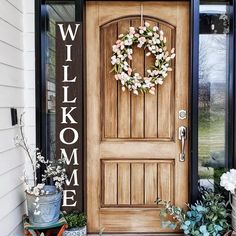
(76, 231)
(233, 204)
(48, 207)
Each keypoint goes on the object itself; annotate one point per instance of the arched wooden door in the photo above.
(132, 141)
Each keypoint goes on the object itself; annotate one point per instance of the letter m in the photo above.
(73, 154)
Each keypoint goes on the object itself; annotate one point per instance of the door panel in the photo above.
(132, 141)
(126, 115)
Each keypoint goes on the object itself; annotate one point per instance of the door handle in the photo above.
(182, 138)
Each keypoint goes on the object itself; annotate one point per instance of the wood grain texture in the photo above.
(109, 36)
(151, 104)
(123, 97)
(165, 182)
(127, 167)
(110, 183)
(166, 94)
(123, 183)
(150, 183)
(136, 182)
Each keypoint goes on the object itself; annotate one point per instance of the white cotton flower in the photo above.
(40, 186)
(37, 212)
(172, 50)
(148, 54)
(146, 24)
(159, 81)
(172, 56)
(135, 92)
(149, 33)
(132, 30)
(141, 31)
(113, 60)
(129, 51)
(152, 91)
(168, 59)
(155, 28)
(121, 35)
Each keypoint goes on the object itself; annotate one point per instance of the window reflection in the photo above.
(213, 77)
(55, 13)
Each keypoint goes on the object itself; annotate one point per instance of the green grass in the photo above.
(211, 142)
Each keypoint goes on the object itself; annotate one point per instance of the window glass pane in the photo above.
(213, 82)
(54, 13)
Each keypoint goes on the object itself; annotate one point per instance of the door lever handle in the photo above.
(182, 138)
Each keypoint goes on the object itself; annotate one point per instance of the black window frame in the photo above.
(194, 83)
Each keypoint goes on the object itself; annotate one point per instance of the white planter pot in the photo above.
(75, 231)
(233, 204)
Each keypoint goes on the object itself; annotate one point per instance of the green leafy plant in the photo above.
(76, 220)
(207, 217)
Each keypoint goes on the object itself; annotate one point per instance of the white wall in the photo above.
(16, 90)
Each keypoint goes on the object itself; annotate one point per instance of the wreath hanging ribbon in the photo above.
(152, 39)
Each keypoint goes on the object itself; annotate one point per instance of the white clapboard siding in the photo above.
(10, 160)
(11, 96)
(17, 89)
(19, 231)
(11, 76)
(7, 139)
(9, 34)
(12, 220)
(11, 200)
(11, 180)
(11, 14)
(11, 56)
(17, 4)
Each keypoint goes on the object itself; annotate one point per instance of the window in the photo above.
(52, 13)
(214, 67)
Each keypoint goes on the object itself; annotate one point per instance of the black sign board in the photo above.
(69, 109)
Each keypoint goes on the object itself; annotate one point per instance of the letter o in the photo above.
(76, 135)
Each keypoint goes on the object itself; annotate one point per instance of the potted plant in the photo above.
(76, 224)
(207, 217)
(43, 199)
(228, 181)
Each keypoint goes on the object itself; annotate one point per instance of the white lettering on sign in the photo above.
(69, 136)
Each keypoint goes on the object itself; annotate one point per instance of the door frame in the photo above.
(80, 11)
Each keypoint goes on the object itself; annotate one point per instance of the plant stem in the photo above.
(26, 148)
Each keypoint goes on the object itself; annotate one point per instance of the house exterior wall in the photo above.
(16, 90)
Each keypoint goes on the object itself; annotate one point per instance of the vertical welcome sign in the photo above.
(69, 109)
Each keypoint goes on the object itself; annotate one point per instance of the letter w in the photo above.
(68, 30)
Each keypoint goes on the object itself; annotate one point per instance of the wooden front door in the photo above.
(133, 150)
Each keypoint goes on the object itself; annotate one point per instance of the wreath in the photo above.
(152, 39)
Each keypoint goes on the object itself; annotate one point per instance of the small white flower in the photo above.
(37, 212)
(155, 28)
(146, 24)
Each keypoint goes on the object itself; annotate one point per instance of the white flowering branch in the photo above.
(22, 142)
